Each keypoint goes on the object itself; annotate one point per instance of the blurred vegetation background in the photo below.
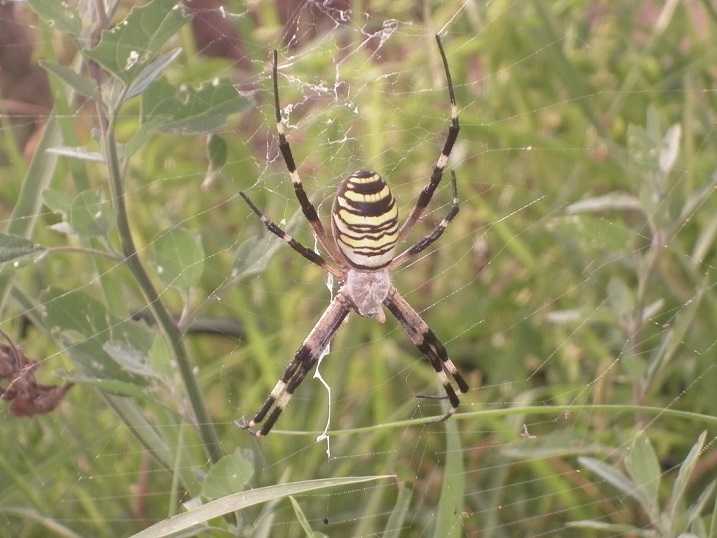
(575, 289)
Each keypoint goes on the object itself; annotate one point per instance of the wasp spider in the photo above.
(365, 229)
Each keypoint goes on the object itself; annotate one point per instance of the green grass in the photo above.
(574, 290)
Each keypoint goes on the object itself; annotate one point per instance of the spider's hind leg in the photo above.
(281, 394)
(304, 360)
(426, 341)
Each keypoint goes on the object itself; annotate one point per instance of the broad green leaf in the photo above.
(130, 358)
(191, 110)
(57, 201)
(84, 326)
(13, 247)
(59, 15)
(74, 80)
(179, 258)
(128, 48)
(643, 467)
(244, 499)
(229, 475)
(152, 72)
(90, 215)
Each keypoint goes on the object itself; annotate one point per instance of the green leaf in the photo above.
(57, 201)
(303, 521)
(152, 73)
(688, 466)
(229, 475)
(179, 258)
(74, 80)
(620, 297)
(13, 247)
(614, 477)
(161, 357)
(58, 15)
(217, 152)
(128, 48)
(79, 153)
(130, 358)
(644, 143)
(400, 512)
(90, 215)
(82, 324)
(612, 201)
(192, 110)
(670, 149)
(594, 234)
(110, 386)
(616, 529)
(244, 499)
(699, 505)
(643, 467)
(85, 327)
(453, 487)
(141, 136)
(252, 256)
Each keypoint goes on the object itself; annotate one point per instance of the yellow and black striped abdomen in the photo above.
(365, 220)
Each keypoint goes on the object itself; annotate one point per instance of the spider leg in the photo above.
(306, 252)
(306, 206)
(423, 337)
(427, 193)
(304, 360)
(434, 235)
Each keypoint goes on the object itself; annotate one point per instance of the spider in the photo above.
(366, 232)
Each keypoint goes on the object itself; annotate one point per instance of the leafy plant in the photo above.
(642, 484)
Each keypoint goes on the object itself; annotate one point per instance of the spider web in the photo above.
(574, 290)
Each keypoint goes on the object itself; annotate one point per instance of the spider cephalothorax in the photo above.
(365, 229)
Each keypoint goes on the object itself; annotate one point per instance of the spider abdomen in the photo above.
(365, 220)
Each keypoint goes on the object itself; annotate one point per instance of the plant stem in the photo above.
(162, 316)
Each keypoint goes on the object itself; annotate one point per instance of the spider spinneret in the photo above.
(366, 232)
